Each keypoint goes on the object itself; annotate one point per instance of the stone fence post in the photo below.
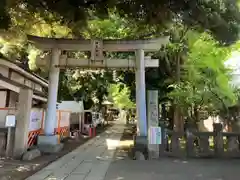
(218, 139)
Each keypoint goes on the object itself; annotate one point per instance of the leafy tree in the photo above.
(205, 80)
(119, 93)
(13, 43)
(219, 16)
(88, 86)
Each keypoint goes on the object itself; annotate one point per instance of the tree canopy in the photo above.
(205, 81)
(220, 17)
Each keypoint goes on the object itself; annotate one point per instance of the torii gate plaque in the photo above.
(96, 47)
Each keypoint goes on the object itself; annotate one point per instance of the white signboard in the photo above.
(155, 135)
(10, 121)
(35, 119)
(153, 108)
(154, 131)
(65, 119)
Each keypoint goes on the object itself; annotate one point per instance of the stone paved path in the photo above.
(94, 161)
(88, 162)
(172, 169)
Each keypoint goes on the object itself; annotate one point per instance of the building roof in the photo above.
(23, 71)
(15, 86)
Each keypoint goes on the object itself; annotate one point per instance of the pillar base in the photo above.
(49, 144)
(153, 154)
(141, 145)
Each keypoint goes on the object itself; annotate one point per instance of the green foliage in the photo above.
(120, 95)
(13, 44)
(90, 86)
(205, 79)
(4, 17)
(111, 28)
(220, 17)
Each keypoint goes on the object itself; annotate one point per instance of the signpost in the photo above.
(154, 131)
(9, 123)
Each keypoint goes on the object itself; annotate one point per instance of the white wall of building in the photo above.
(73, 106)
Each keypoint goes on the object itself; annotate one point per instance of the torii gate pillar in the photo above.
(49, 141)
(141, 93)
(51, 121)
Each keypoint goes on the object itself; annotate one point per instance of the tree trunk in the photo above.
(164, 112)
(196, 113)
(178, 119)
(171, 116)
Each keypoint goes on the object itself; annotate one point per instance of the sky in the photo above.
(234, 64)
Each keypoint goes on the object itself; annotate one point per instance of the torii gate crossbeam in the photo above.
(117, 45)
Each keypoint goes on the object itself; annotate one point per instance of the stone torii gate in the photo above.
(56, 61)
